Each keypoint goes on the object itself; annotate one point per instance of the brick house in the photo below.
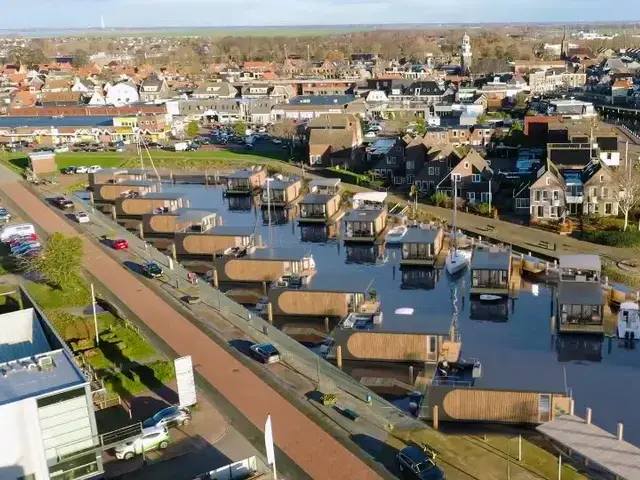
(334, 140)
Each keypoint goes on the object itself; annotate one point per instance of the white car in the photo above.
(62, 149)
(276, 141)
(94, 169)
(81, 169)
(82, 217)
(371, 134)
(152, 438)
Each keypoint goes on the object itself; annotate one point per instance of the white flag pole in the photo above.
(268, 443)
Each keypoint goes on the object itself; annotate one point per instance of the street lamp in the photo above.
(269, 180)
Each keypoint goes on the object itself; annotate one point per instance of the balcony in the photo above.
(574, 198)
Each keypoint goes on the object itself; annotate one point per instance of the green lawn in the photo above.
(47, 297)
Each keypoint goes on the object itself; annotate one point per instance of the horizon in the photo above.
(189, 14)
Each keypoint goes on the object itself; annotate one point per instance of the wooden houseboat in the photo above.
(195, 220)
(421, 246)
(264, 265)
(242, 203)
(246, 182)
(580, 298)
(322, 297)
(213, 241)
(280, 191)
(115, 175)
(135, 207)
(109, 192)
(279, 215)
(325, 186)
(490, 271)
(362, 338)
(368, 219)
(320, 208)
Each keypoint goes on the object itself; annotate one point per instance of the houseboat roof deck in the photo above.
(420, 235)
(484, 259)
(132, 183)
(317, 198)
(373, 197)
(618, 457)
(362, 215)
(336, 284)
(281, 184)
(358, 321)
(324, 182)
(161, 196)
(583, 293)
(188, 214)
(230, 231)
(278, 254)
(580, 262)
(244, 173)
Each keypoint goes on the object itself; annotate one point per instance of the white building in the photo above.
(377, 96)
(120, 94)
(46, 410)
(466, 55)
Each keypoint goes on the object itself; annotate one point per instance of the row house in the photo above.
(276, 93)
(334, 140)
(440, 158)
(223, 110)
(473, 178)
(543, 81)
(327, 88)
(153, 89)
(427, 92)
(306, 107)
(386, 159)
(215, 90)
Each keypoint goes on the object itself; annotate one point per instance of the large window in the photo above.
(522, 203)
(489, 278)
(416, 251)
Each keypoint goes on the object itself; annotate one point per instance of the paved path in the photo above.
(310, 447)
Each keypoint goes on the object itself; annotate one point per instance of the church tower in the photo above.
(466, 55)
(564, 46)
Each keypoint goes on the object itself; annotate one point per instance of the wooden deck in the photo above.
(516, 277)
(450, 351)
(384, 383)
(442, 255)
(598, 446)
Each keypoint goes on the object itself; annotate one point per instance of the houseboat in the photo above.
(115, 175)
(135, 207)
(246, 182)
(195, 220)
(212, 241)
(320, 208)
(362, 337)
(490, 273)
(580, 298)
(322, 297)
(314, 233)
(325, 186)
(419, 278)
(264, 265)
(421, 246)
(124, 188)
(368, 219)
(280, 191)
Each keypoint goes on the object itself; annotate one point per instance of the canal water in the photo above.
(512, 340)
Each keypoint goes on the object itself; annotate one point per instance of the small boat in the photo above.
(457, 260)
(629, 321)
(396, 234)
(490, 298)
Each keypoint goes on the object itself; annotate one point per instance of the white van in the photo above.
(18, 229)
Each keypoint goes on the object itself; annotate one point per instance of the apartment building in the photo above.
(543, 81)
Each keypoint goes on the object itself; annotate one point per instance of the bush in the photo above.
(440, 199)
(615, 238)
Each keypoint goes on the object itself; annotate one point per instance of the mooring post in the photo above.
(215, 278)
(270, 312)
(410, 374)
(326, 324)
(141, 230)
(174, 254)
(620, 431)
(264, 288)
(435, 417)
(339, 356)
(91, 201)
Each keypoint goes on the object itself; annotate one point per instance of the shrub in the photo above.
(440, 199)
(615, 238)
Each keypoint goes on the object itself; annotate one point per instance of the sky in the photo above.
(185, 13)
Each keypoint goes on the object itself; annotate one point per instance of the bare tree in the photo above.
(627, 188)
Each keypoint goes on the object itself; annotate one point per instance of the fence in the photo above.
(244, 469)
(323, 374)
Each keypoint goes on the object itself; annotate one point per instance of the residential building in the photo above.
(224, 110)
(46, 407)
(440, 158)
(215, 90)
(304, 107)
(608, 150)
(386, 159)
(547, 194)
(334, 140)
(416, 154)
(123, 93)
(153, 89)
(599, 190)
(473, 178)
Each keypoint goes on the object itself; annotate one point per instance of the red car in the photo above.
(120, 244)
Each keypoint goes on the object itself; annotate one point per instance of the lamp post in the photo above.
(269, 180)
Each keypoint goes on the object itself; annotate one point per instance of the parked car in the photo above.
(152, 270)
(25, 247)
(276, 141)
(16, 230)
(15, 240)
(169, 417)
(69, 170)
(94, 169)
(82, 217)
(5, 215)
(152, 438)
(61, 149)
(120, 244)
(81, 169)
(63, 203)
(414, 463)
(265, 353)
(371, 134)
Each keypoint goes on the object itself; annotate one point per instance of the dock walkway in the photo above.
(597, 446)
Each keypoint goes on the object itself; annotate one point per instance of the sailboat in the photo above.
(629, 321)
(457, 260)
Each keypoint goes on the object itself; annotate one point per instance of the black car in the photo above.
(152, 270)
(414, 463)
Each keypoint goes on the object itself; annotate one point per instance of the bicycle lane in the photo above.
(308, 445)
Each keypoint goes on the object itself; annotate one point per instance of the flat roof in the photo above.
(483, 259)
(23, 341)
(324, 182)
(318, 198)
(420, 235)
(280, 184)
(194, 214)
(159, 196)
(229, 231)
(288, 253)
(599, 446)
(337, 283)
(133, 183)
(581, 261)
(363, 215)
(243, 173)
(378, 197)
(580, 293)
(430, 323)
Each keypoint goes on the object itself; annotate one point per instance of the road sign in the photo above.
(186, 383)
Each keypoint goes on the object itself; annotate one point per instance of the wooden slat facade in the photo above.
(139, 206)
(393, 347)
(309, 303)
(253, 270)
(109, 192)
(206, 244)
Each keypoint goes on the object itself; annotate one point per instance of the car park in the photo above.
(414, 463)
(16, 230)
(120, 244)
(265, 353)
(152, 270)
(82, 217)
(152, 438)
(169, 417)
(61, 149)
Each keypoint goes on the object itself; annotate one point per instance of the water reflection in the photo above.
(279, 215)
(242, 203)
(419, 278)
(319, 233)
(366, 254)
(581, 348)
(489, 311)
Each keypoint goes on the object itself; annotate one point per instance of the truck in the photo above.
(181, 146)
